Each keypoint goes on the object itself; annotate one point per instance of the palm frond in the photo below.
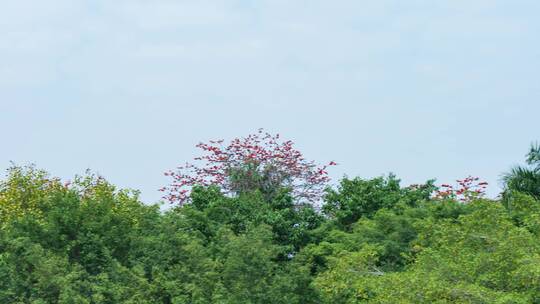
(523, 179)
(533, 157)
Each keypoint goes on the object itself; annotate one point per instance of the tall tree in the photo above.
(259, 162)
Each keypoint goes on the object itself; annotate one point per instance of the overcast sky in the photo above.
(424, 89)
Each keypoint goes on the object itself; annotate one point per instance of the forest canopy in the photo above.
(262, 234)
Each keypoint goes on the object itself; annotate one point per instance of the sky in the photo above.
(127, 88)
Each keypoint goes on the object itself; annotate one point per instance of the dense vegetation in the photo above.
(373, 241)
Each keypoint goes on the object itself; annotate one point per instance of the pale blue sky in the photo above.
(425, 89)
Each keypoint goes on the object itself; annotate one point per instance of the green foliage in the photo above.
(357, 198)
(24, 191)
(480, 258)
(526, 179)
(90, 243)
(374, 242)
(290, 223)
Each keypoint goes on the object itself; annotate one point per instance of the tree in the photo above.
(466, 190)
(70, 243)
(249, 240)
(480, 257)
(24, 191)
(525, 179)
(356, 198)
(258, 162)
